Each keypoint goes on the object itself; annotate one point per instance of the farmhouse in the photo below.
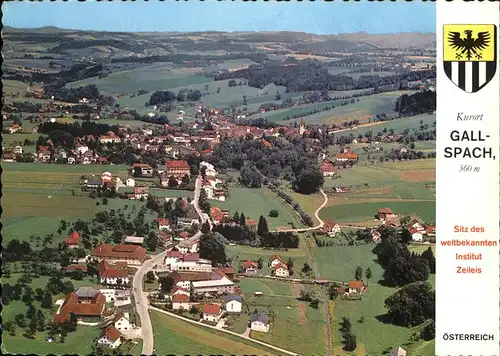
(14, 128)
(180, 301)
(189, 220)
(86, 303)
(73, 240)
(188, 246)
(331, 228)
(259, 322)
(179, 290)
(415, 234)
(250, 267)
(216, 214)
(73, 268)
(233, 303)
(110, 138)
(133, 255)
(356, 287)
(212, 312)
(110, 337)
(163, 224)
(281, 270)
(274, 260)
(386, 214)
(141, 170)
(172, 257)
(177, 169)
(122, 322)
(18, 150)
(346, 157)
(112, 275)
(328, 169)
(93, 182)
(398, 351)
(430, 231)
(140, 193)
(184, 280)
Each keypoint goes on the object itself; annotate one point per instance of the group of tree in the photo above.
(258, 163)
(418, 103)
(306, 218)
(168, 97)
(349, 339)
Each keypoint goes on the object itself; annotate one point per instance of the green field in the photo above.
(371, 307)
(254, 202)
(291, 317)
(174, 336)
(12, 87)
(171, 193)
(37, 196)
(80, 342)
(361, 110)
(157, 76)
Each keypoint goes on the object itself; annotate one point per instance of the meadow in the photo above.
(37, 196)
(173, 336)
(254, 202)
(288, 315)
(371, 308)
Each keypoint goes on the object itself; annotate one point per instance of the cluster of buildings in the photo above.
(211, 184)
(278, 267)
(418, 231)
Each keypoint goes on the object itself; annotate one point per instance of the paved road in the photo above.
(140, 298)
(243, 336)
(316, 214)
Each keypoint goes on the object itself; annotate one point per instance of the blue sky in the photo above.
(314, 17)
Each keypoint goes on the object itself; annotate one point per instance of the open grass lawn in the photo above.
(37, 196)
(171, 193)
(398, 125)
(12, 87)
(78, 342)
(393, 180)
(362, 110)
(419, 248)
(373, 335)
(254, 202)
(291, 317)
(174, 336)
(362, 211)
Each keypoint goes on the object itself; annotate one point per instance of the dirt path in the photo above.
(301, 308)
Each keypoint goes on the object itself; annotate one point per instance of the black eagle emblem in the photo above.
(469, 46)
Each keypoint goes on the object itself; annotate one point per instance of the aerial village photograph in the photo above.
(218, 178)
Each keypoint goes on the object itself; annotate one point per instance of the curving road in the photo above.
(140, 298)
(316, 214)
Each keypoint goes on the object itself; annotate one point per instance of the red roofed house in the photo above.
(86, 303)
(172, 257)
(430, 231)
(328, 169)
(250, 222)
(110, 337)
(179, 290)
(110, 138)
(139, 193)
(212, 312)
(281, 270)
(274, 260)
(331, 228)
(163, 224)
(346, 157)
(143, 168)
(72, 240)
(416, 235)
(216, 214)
(250, 267)
(111, 275)
(180, 301)
(356, 287)
(386, 214)
(131, 254)
(73, 268)
(177, 169)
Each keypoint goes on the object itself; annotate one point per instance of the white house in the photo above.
(173, 257)
(111, 338)
(417, 237)
(274, 260)
(109, 294)
(187, 246)
(130, 182)
(163, 224)
(178, 290)
(331, 228)
(81, 149)
(123, 323)
(281, 270)
(209, 169)
(180, 301)
(233, 303)
(259, 322)
(212, 312)
(398, 351)
(18, 149)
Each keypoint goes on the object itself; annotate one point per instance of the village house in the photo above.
(376, 236)
(188, 246)
(356, 287)
(189, 220)
(84, 304)
(386, 214)
(233, 303)
(75, 267)
(209, 169)
(184, 280)
(178, 290)
(139, 193)
(398, 351)
(18, 150)
(275, 260)
(259, 322)
(73, 240)
(163, 224)
(328, 169)
(177, 169)
(180, 301)
(110, 337)
(430, 230)
(81, 149)
(281, 270)
(212, 313)
(191, 263)
(93, 182)
(122, 322)
(112, 275)
(346, 157)
(130, 182)
(216, 214)
(132, 255)
(122, 297)
(111, 137)
(172, 257)
(214, 287)
(331, 228)
(141, 170)
(416, 235)
(250, 267)
(134, 240)
(14, 128)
